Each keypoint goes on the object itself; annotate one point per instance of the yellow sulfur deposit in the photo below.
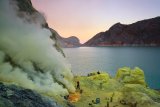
(127, 89)
(131, 76)
(101, 76)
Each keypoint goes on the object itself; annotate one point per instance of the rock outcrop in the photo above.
(131, 76)
(141, 33)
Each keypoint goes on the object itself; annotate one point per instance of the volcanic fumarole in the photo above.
(28, 57)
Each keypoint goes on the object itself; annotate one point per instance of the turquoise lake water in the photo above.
(87, 59)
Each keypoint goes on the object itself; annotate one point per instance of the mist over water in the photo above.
(28, 57)
(109, 59)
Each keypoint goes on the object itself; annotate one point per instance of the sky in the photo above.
(86, 18)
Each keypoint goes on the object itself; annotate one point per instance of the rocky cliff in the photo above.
(141, 33)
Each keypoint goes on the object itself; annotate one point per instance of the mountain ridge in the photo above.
(141, 33)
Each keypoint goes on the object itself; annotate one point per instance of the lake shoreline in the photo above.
(87, 59)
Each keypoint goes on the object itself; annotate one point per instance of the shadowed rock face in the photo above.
(141, 33)
(13, 96)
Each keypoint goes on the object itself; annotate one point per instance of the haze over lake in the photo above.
(109, 59)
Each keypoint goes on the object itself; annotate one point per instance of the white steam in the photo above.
(27, 55)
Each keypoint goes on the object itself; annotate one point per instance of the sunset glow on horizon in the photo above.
(85, 18)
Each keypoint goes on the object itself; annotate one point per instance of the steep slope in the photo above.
(141, 33)
(26, 7)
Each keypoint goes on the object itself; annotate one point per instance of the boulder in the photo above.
(131, 76)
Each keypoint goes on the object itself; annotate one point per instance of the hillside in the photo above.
(141, 33)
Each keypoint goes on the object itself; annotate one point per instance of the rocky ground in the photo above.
(14, 96)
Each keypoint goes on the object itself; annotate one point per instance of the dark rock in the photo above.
(26, 6)
(14, 96)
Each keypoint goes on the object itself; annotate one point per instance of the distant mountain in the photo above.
(69, 42)
(141, 33)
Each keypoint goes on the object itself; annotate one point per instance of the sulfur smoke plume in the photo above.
(28, 57)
